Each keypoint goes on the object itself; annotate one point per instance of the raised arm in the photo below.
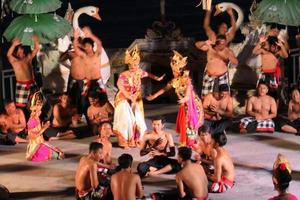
(283, 51)
(231, 33)
(258, 48)
(14, 44)
(88, 33)
(203, 45)
(154, 77)
(36, 49)
(159, 92)
(232, 58)
(76, 44)
(206, 26)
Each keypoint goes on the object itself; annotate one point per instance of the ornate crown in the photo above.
(132, 55)
(178, 62)
(282, 162)
(37, 97)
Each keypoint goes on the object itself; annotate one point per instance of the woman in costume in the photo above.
(281, 178)
(129, 123)
(37, 148)
(190, 113)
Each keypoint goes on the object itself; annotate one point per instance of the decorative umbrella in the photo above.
(285, 12)
(34, 6)
(48, 27)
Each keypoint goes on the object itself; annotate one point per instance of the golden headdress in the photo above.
(283, 163)
(178, 62)
(132, 55)
(37, 97)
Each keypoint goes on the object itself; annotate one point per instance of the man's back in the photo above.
(126, 186)
(195, 180)
(226, 162)
(82, 179)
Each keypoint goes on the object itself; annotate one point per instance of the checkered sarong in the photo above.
(262, 125)
(208, 83)
(24, 90)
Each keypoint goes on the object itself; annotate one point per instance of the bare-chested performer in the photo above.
(15, 119)
(224, 173)
(21, 61)
(222, 28)
(124, 184)
(271, 49)
(191, 180)
(218, 56)
(99, 110)
(261, 109)
(85, 68)
(218, 109)
(292, 123)
(6, 136)
(160, 146)
(86, 180)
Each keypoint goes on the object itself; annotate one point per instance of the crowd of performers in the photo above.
(201, 121)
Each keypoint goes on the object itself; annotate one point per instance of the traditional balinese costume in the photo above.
(37, 148)
(190, 114)
(253, 125)
(24, 90)
(129, 123)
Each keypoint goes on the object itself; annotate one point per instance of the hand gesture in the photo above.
(208, 43)
(157, 142)
(35, 38)
(87, 31)
(182, 100)
(262, 39)
(76, 33)
(161, 77)
(258, 117)
(150, 97)
(229, 11)
(154, 153)
(213, 107)
(16, 41)
(46, 124)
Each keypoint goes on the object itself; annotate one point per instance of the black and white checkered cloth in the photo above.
(208, 83)
(262, 125)
(24, 92)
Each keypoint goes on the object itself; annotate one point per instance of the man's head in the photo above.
(93, 98)
(9, 106)
(158, 123)
(125, 161)
(221, 42)
(184, 154)
(296, 95)
(274, 31)
(205, 134)
(21, 51)
(64, 98)
(222, 28)
(134, 65)
(88, 45)
(272, 42)
(105, 129)
(96, 151)
(262, 89)
(223, 90)
(219, 139)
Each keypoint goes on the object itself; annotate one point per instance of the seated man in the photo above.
(191, 179)
(262, 109)
(86, 180)
(223, 177)
(218, 109)
(63, 113)
(124, 184)
(15, 119)
(105, 131)
(292, 123)
(99, 110)
(7, 137)
(156, 144)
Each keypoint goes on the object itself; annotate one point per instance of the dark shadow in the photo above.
(277, 142)
(17, 167)
(251, 167)
(70, 191)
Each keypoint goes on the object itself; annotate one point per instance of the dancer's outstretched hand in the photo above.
(150, 97)
(161, 78)
(182, 100)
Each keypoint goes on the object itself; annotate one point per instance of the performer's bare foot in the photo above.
(61, 156)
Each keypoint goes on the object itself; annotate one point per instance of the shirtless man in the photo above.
(105, 131)
(217, 59)
(292, 123)
(224, 173)
(86, 180)
(63, 116)
(222, 28)
(124, 184)
(191, 180)
(6, 136)
(156, 144)
(15, 119)
(21, 62)
(99, 110)
(261, 110)
(218, 109)
(270, 49)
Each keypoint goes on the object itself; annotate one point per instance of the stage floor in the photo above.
(253, 155)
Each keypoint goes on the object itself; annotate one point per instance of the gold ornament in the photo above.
(132, 55)
(178, 62)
